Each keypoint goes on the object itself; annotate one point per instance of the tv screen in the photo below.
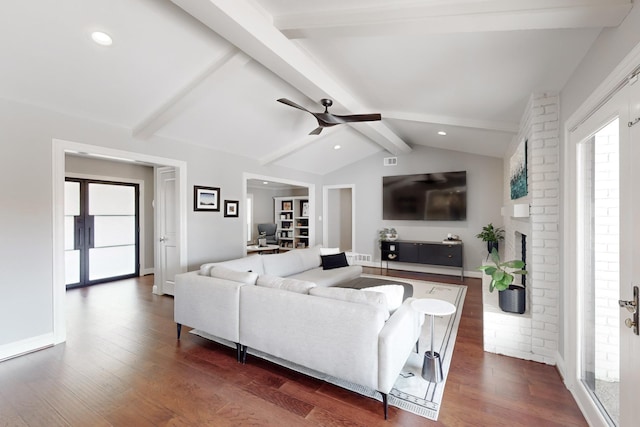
(426, 197)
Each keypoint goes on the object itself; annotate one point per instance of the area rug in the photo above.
(410, 392)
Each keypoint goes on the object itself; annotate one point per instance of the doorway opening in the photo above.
(339, 217)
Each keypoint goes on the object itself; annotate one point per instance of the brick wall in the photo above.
(533, 335)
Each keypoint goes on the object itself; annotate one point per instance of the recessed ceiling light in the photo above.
(443, 133)
(265, 182)
(101, 38)
(337, 147)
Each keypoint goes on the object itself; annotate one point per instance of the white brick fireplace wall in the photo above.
(533, 335)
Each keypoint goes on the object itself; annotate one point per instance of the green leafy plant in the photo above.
(501, 277)
(490, 233)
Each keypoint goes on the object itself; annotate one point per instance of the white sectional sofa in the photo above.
(284, 305)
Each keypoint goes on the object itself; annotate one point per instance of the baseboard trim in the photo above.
(29, 345)
(147, 271)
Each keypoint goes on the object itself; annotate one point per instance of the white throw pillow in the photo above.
(246, 277)
(394, 294)
(375, 299)
(291, 285)
(329, 251)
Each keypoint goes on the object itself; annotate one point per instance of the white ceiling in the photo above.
(209, 71)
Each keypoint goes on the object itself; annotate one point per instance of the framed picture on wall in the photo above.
(206, 198)
(231, 208)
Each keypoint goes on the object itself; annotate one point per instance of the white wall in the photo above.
(484, 199)
(26, 254)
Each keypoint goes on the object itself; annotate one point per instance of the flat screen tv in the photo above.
(425, 197)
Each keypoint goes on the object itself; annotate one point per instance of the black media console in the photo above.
(433, 253)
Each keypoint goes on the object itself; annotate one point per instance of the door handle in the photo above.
(632, 306)
(163, 239)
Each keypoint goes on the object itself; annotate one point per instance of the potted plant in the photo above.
(387, 234)
(511, 297)
(492, 235)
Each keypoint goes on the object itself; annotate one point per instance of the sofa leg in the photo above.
(179, 329)
(238, 352)
(243, 356)
(385, 404)
(417, 346)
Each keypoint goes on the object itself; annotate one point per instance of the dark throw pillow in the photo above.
(334, 261)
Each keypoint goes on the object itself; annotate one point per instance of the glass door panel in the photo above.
(71, 214)
(599, 267)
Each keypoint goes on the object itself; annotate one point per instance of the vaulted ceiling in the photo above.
(209, 72)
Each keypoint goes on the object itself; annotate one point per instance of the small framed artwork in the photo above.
(305, 208)
(231, 208)
(206, 198)
(286, 206)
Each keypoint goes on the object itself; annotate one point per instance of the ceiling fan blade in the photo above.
(292, 104)
(316, 131)
(359, 117)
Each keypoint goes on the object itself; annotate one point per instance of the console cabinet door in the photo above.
(409, 252)
(447, 255)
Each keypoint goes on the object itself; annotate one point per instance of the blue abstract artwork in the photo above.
(518, 172)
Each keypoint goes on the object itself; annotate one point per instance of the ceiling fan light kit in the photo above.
(326, 119)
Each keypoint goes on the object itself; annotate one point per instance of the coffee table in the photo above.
(432, 365)
(369, 282)
(263, 249)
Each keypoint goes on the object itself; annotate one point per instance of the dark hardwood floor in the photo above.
(122, 365)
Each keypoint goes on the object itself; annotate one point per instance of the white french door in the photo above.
(605, 203)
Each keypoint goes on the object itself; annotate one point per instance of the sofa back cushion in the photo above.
(291, 285)
(291, 262)
(246, 277)
(251, 263)
(375, 299)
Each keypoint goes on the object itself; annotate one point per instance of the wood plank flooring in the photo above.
(122, 366)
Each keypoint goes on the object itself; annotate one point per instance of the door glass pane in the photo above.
(599, 265)
(109, 199)
(111, 262)
(71, 210)
(114, 231)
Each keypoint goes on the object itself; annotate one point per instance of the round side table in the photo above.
(432, 365)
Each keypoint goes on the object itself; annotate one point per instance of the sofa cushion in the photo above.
(394, 294)
(329, 251)
(282, 264)
(292, 285)
(375, 299)
(330, 262)
(310, 257)
(246, 277)
(329, 277)
(251, 263)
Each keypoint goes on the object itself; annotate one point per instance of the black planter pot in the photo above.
(513, 300)
(491, 245)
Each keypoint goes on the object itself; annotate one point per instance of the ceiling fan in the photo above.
(326, 119)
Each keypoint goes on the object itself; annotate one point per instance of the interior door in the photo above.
(167, 231)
